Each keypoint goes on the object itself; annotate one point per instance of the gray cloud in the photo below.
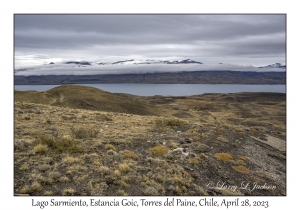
(206, 38)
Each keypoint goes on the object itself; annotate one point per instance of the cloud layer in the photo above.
(73, 69)
(237, 39)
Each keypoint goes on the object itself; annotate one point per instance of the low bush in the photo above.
(58, 144)
(83, 133)
(169, 122)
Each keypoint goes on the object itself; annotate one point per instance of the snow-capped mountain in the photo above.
(125, 62)
(137, 67)
(275, 65)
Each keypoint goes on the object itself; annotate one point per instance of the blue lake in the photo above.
(168, 89)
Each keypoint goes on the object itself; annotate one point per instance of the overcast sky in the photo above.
(234, 39)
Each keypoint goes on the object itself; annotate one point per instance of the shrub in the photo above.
(59, 144)
(169, 122)
(83, 133)
(159, 150)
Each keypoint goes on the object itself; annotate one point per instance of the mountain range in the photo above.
(138, 62)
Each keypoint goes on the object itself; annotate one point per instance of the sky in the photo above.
(230, 39)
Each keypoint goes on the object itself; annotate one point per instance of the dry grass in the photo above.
(59, 144)
(64, 179)
(242, 157)
(104, 170)
(24, 167)
(226, 157)
(36, 187)
(241, 169)
(40, 148)
(48, 193)
(159, 150)
(161, 122)
(110, 147)
(193, 161)
(71, 160)
(69, 191)
(241, 162)
(129, 154)
(124, 167)
(24, 190)
(84, 133)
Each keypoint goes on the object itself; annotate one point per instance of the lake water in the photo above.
(168, 89)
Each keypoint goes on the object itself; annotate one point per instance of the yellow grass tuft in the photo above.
(241, 169)
(226, 157)
(159, 150)
(36, 186)
(110, 147)
(241, 162)
(40, 148)
(124, 167)
(242, 157)
(129, 154)
(71, 160)
(193, 161)
(68, 191)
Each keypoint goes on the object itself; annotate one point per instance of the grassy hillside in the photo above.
(64, 147)
(75, 96)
